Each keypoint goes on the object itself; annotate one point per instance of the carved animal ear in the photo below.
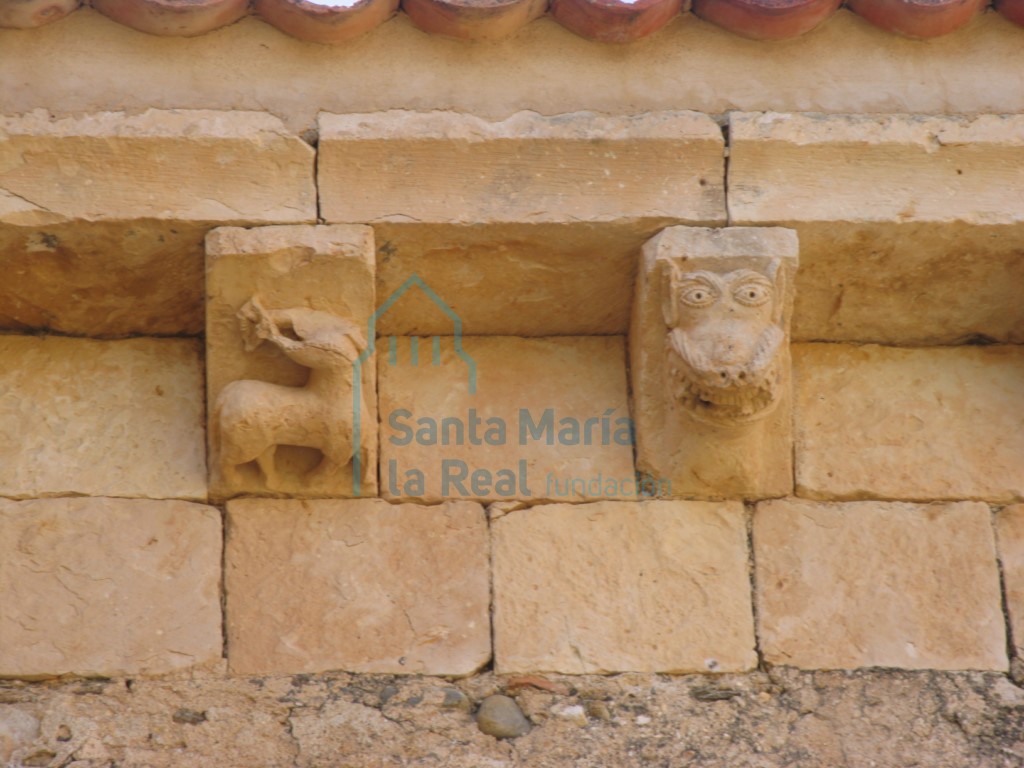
(777, 274)
(249, 317)
(669, 290)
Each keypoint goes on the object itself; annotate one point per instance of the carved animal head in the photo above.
(327, 332)
(314, 330)
(725, 332)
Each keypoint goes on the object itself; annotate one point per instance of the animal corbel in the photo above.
(253, 418)
(725, 332)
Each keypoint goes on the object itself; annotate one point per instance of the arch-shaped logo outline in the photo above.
(371, 347)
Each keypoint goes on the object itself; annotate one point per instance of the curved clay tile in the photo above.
(766, 19)
(182, 18)
(615, 21)
(1012, 9)
(323, 23)
(473, 19)
(917, 18)
(25, 14)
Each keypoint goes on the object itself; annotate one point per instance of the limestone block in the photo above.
(228, 167)
(1010, 533)
(104, 418)
(913, 424)
(103, 278)
(657, 586)
(912, 284)
(360, 585)
(571, 279)
(101, 586)
(909, 225)
(709, 349)
(878, 584)
(448, 167)
(495, 418)
(684, 66)
(286, 321)
(102, 217)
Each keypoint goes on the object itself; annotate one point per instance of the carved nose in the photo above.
(730, 356)
(729, 376)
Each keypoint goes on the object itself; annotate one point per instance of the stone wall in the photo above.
(490, 268)
(844, 66)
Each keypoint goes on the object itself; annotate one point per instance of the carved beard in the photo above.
(750, 396)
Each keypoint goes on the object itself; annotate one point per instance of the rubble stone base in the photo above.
(782, 717)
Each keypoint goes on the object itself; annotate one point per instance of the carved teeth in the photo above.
(727, 404)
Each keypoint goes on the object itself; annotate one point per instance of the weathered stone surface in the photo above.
(527, 168)
(548, 419)
(1010, 535)
(100, 586)
(909, 229)
(710, 364)
(846, 66)
(290, 270)
(607, 587)
(114, 418)
(915, 424)
(874, 584)
(102, 278)
(784, 717)
(501, 717)
(18, 728)
(948, 168)
(361, 585)
(228, 167)
(102, 217)
(511, 279)
(913, 283)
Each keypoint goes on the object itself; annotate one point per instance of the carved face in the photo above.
(725, 331)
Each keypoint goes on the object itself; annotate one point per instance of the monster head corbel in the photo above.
(725, 333)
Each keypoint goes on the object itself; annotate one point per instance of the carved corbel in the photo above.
(291, 386)
(251, 419)
(709, 347)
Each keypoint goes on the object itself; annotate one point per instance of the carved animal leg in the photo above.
(229, 471)
(327, 467)
(368, 472)
(265, 461)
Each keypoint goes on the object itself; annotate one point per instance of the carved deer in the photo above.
(253, 418)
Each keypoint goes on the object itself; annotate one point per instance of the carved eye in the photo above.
(698, 296)
(752, 293)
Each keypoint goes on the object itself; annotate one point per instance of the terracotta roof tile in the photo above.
(320, 23)
(1012, 9)
(917, 18)
(35, 13)
(766, 19)
(473, 19)
(178, 18)
(611, 21)
(614, 21)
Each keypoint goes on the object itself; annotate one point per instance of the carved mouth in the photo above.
(727, 405)
(723, 395)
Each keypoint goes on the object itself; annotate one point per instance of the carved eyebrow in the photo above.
(746, 275)
(703, 277)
